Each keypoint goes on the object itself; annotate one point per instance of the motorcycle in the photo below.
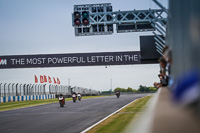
(74, 97)
(61, 101)
(117, 94)
(79, 97)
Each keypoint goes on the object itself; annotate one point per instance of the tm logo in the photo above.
(3, 62)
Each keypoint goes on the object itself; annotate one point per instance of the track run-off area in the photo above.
(73, 118)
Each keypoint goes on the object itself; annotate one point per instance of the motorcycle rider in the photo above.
(117, 92)
(61, 95)
(75, 94)
(79, 95)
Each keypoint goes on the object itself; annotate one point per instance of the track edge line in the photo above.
(87, 129)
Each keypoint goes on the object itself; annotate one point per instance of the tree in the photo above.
(153, 89)
(146, 89)
(124, 90)
(129, 89)
(118, 88)
(141, 88)
(134, 90)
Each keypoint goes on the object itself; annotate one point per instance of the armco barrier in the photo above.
(18, 89)
(26, 98)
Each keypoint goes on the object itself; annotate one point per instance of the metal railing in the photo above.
(17, 89)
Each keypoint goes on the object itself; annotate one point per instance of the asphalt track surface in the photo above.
(73, 118)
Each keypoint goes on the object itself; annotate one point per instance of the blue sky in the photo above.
(45, 27)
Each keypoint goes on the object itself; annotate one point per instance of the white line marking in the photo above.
(84, 131)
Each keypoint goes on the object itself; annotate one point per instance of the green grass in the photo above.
(23, 104)
(87, 97)
(119, 121)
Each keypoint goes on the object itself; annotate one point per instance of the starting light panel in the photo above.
(98, 19)
(81, 19)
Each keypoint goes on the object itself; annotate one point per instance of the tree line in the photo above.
(140, 89)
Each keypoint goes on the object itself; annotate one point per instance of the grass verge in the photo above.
(23, 104)
(118, 122)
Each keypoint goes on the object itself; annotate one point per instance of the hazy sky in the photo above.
(45, 27)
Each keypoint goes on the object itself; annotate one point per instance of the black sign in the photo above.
(76, 59)
(149, 55)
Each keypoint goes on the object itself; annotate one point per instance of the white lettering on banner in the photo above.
(56, 60)
(35, 61)
(100, 59)
(119, 58)
(135, 57)
(49, 60)
(22, 61)
(53, 60)
(106, 58)
(111, 58)
(3, 62)
(88, 59)
(70, 59)
(60, 60)
(93, 59)
(18, 61)
(65, 60)
(131, 57)
(126, 57)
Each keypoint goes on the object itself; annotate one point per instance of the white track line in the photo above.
(84, 131)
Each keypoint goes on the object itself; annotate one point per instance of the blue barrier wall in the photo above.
(26, 98)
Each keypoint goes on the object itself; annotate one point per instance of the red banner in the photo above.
(45, 78)
(54, 80)
(41, 79)
(58, 81)
(49, 78)
(36, 79)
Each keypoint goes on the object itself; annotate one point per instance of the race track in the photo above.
(73, 118)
